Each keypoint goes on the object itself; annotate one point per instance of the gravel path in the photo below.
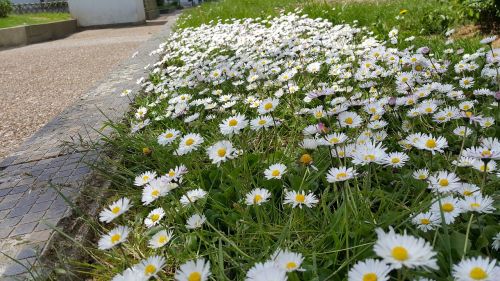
(38, 81)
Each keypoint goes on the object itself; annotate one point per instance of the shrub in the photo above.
(5, 8)
(486, 12)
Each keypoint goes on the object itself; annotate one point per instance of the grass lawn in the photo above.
(426, 20)
(27, 19)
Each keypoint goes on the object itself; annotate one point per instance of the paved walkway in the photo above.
(28, 203)
(38, 81)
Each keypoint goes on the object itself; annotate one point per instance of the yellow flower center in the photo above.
(275, 173)
(233, 122)
(447, 207)
(169, 135)
(171, 173)
(466, 107)
(370, 157)
(475, 205)
(422, 176)
(428, 110)
(348, 120)
(341, 175)
(262, 122)
(370, 277)
(478, 273)
(300, 198)
(149, 269)
(468, 114)
(291, 265)
(155, 193)
(486, 153)
(400, 253)
(145, 178)
(189, 141)
(221, 152)
(115, 210)
(268, 106)
(115, 238)
(444, 182)
(467, 193)
(334, 140)
(155, 217)
(194, 276)
(162, 239)
(257, 198)
(319, 114)
(430, 143)
(395, 160)
(425, 221)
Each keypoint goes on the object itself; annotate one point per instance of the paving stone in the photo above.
(42, 206)
(23, 228)
(4, 191)
(16, 268)
(29, 251)
(10, 222)
(19, 211)
(4, 232)
(32, 217)
(47, 224)
(20, 188)
(4, 205)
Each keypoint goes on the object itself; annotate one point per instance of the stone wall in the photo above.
(151, 9)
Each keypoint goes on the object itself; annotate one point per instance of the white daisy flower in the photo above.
(275, 171)
(261, 122)
(349, 119)
(426, 221)
(116, 236)
(130, 274)
(151, 266)
(114, 210)
(478, 203)
(300, 198)
(340, 174)
(144, 178)
(195, 221)
(156, 189)
(266, 271)
(233, 124)
(396, 159)
(369, 270)
(449, 207)
(268, 105)
(476, 268)
(154, 217)
(444, 181)
(287, 260)
(168, 136)
(192, 196)
(188, 143)
(421, 174)
(404, 250)
(160, 239)
(496, 242)
(221, 151)
(195, 270)
(430, 143)
(257, 196)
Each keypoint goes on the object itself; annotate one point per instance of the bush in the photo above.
(486, 12)
(5, 8)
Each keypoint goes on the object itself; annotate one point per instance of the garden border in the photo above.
(34, 33)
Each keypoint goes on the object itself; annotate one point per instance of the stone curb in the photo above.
(35, 179)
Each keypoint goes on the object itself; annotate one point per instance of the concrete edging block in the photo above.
(29, 34)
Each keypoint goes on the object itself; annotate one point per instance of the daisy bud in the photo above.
(497, 96)
(306, 159)
(146, 151)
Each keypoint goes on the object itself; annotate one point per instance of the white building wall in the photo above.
(104, 12)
